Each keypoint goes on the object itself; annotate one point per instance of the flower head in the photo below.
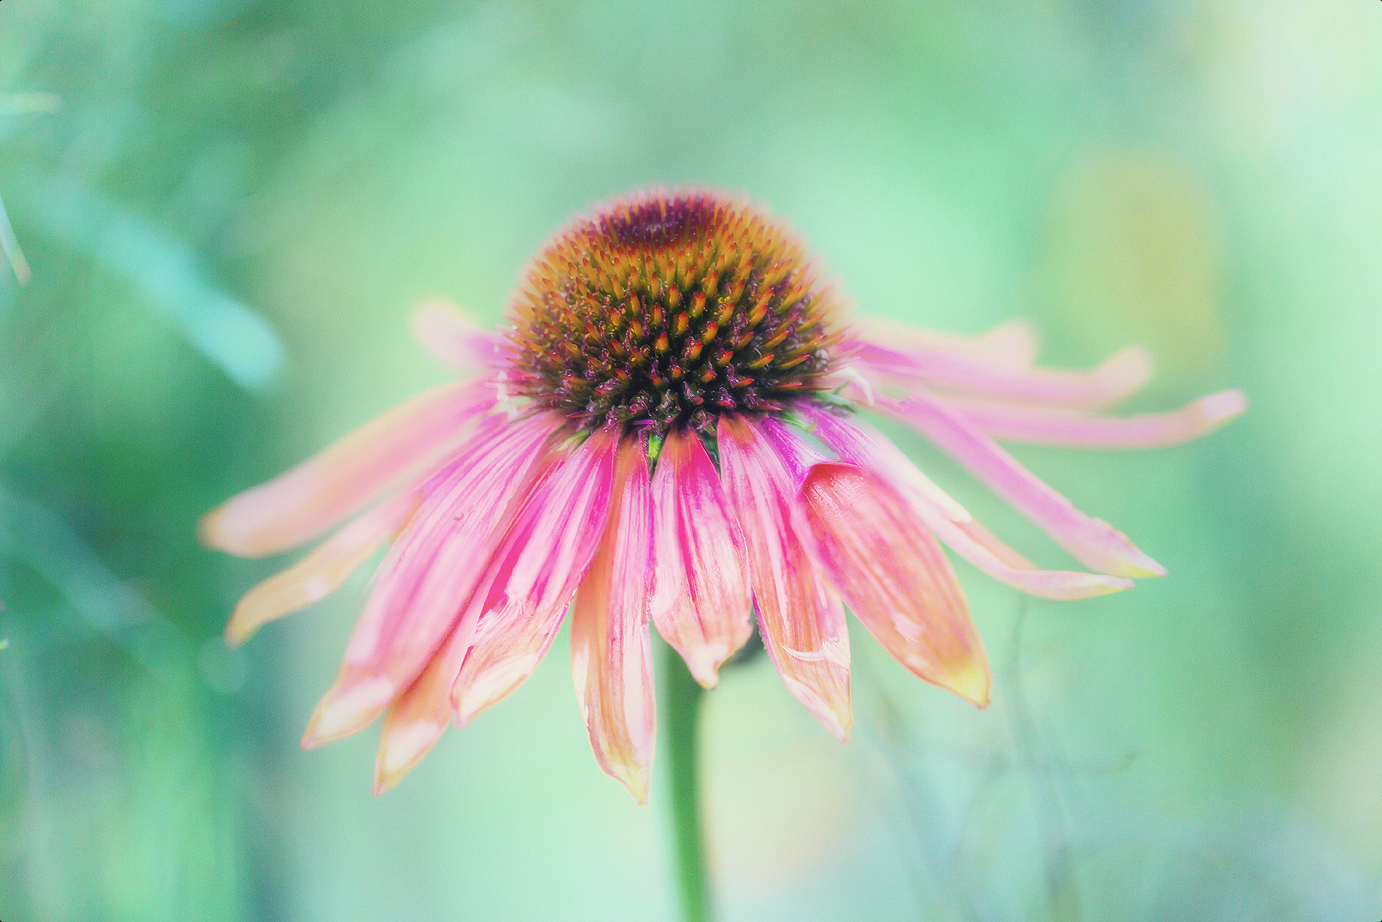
(671, 430)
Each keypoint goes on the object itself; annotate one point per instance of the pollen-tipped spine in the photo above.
(660, 306)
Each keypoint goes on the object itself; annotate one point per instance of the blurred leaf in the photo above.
(218, 325)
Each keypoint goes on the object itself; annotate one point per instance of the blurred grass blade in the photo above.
(10, 245)
(33, 535)
(219, 326)
(26, 103)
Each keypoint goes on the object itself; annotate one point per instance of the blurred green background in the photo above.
(217, 214)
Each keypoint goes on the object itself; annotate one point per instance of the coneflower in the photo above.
(671, 430)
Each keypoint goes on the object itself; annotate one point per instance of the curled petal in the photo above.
(325, 489)
(860, 444)
(701, 601)
(895, 578)
(445, 332)
(611, 660)
(1044, 426)
(799, 616)
(1093, 542)
(424, 584)
(1117, 378)
(322, 571)
(537, 571)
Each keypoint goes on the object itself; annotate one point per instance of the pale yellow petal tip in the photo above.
(835, 715)
(1015, 341)
(442, 328)
(1123, 558)
(210, 531)
(469, 705)
(429, 312)
(704, 662)
(490, 685)
(346, 710)
(966, 676)
(401, 749)
(223, 529)
(240, 628)
(1221, 407)
(974, 683)
(249, 615)
(1140, 566)
(1094, 585)
(1132, 367)
(634, 778)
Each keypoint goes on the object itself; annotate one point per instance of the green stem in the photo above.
(680, 710)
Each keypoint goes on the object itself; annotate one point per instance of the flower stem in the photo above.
(681, 708)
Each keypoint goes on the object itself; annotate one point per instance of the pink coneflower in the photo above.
(671, 429)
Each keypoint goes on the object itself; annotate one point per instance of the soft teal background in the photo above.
(228, 207)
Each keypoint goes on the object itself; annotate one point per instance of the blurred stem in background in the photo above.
(681, 707)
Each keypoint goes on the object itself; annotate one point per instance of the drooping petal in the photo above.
(431, 572)
(322, 571)
(324, 490)
(420, 714)
(1045, 426)
(445, 332)
(1116, 378)
(799, 616)
(534, 572)
(611, 659)
(541, 564)
(701, 600)
(982, 548)
(1093, 542)
(861, 444)
(1012, 343)
(894, 577)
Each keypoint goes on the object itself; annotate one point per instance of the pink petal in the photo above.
(1093, 542)
(1011, 343)
(701, 601)
(418, 717)
(431, 572)
(322, 571)
(304, 502)
(1118, 377)
(543, 561)
(513, 614)
(1012, 423)
(449, 335)
(799, 616)
(860, 444)
(611, 660)
(895, 578)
